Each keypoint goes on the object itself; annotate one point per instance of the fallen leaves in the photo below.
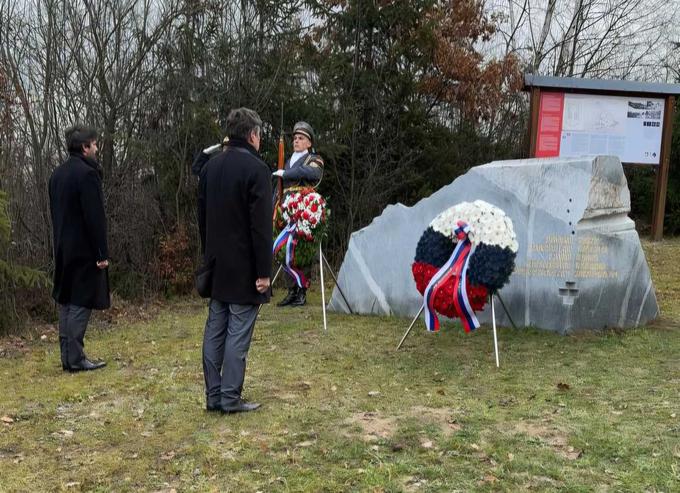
(7, 420)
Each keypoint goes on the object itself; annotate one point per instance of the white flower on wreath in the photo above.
(488, 224)
(296, 204)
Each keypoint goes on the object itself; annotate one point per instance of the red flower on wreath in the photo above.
(443, 301)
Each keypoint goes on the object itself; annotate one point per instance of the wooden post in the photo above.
(534, 107)
(663, 170)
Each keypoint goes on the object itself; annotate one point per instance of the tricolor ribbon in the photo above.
(455, 267)
(287, 237)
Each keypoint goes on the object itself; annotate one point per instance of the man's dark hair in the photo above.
(241, 122)
(78, 136)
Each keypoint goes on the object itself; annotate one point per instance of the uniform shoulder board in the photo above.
(315, 160)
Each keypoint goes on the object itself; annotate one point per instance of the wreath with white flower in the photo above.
(308, 211)
(489, 258)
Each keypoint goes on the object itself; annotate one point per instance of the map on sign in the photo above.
(601, 116)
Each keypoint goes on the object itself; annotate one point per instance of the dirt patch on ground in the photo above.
(443, 417)
(551, 436)
(538, 483)
(373, 426)
(411, 483)
(13, 347)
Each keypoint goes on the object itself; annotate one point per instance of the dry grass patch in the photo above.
(373, 426)
(441, 417)
(556, 439)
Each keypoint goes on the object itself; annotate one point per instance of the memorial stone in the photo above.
(580, 264)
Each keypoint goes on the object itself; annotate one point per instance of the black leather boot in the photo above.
(292, 294)
(301, 297)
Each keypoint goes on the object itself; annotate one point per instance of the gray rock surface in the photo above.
(580, 264)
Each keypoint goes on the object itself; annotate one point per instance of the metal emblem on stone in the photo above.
(580, 264)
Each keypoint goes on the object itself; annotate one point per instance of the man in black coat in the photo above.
(235, 222)
(81, 254)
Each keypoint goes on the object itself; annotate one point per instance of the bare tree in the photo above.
(588, 38)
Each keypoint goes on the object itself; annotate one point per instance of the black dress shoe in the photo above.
(292, 294)
(240, 407)
(86, 365)
(213, 409)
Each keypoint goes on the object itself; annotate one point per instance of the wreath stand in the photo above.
(493, 320)
(322, 260)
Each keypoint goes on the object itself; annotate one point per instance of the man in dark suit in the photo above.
(81, 281)
(235, 222)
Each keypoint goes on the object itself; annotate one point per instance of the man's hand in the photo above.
(278, 173)
(102, 264)
(262, 284)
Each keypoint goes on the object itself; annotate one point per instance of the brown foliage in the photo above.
(461, 76)
(174, 266)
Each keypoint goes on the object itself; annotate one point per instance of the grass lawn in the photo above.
(342, 411)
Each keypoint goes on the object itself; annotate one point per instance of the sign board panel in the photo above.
(579, 124)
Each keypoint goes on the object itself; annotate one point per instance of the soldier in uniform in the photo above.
(304, 169)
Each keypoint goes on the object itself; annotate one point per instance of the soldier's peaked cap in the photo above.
(305, 129)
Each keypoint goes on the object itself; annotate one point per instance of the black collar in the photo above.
(243, 144)
(92, 163)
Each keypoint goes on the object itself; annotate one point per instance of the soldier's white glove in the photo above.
(212, 149)
(278, 173)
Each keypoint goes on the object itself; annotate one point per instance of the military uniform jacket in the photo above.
(307, 171)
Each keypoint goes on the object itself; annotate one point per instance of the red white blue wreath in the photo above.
(466, 253)
(300, 225)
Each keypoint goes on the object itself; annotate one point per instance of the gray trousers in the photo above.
(73, 321)
(226, 341)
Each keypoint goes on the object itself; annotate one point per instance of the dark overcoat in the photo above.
(235, 222)
(79, 234)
